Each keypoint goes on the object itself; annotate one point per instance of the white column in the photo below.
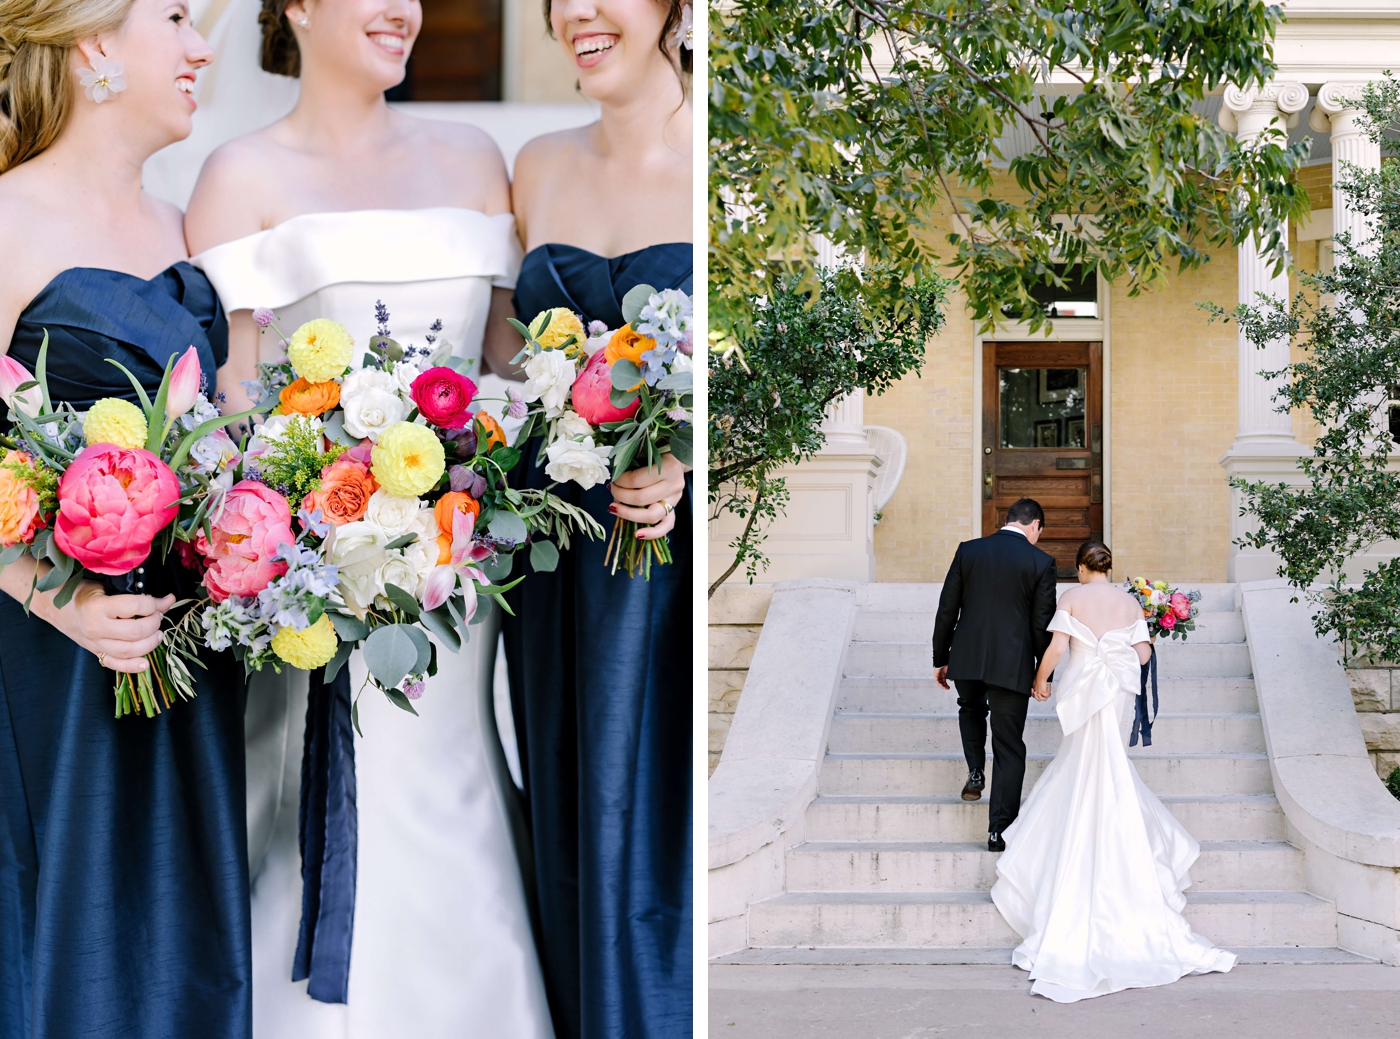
(845, 420)
(1338, 112)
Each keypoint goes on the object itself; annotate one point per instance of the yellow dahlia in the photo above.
(408, 460)
(115, 421)
(308, 649)
(320, 350)
(561, 323)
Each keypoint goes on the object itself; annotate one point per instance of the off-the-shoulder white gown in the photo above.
(1095, 869)
(442, 943)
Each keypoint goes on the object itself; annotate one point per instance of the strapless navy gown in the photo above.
(600, 678)
(123, 842)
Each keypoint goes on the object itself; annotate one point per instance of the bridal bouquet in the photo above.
(1168, 611)
(96, 492)
(608, 401)
(404, 521)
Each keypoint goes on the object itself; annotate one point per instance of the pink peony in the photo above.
(443, 396)
(255, 520)
(1181, 606)
(590, 394)
(112, 502)
(1167, 621)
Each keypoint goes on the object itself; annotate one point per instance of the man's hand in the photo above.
(941, 677)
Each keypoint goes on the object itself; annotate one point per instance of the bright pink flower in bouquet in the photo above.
(1167, 621)
(443, 396)
(112, 502)
(591, 392)
(255, 520)
(1181, 606)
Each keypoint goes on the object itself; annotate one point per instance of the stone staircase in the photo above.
(894, 866)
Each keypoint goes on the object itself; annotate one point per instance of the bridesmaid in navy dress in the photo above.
(600, 664)
(123, 850)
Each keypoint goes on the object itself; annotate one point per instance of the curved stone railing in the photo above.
(1338, 811)
(768, 773)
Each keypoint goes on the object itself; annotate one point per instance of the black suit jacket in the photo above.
(997, 601)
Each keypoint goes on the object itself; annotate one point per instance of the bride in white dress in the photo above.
(1095, 867)
(339, 205)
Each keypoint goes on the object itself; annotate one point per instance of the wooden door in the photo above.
(1042, 438)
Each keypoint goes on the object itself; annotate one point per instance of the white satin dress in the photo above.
(1095, 869)
(442, 941)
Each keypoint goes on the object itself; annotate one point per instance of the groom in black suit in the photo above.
(998, 599)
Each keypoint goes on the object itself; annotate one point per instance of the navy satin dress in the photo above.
(600, 678)
(123, 842)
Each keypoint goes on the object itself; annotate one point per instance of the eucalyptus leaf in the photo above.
(507, 526)
(624, 374)
(498, 569)
(390, 654)
(484, 606)
(444, 627)
(342, 654)
(398, 699)
(348, 628)
(335, 430)
(12, 552)
(633, 303)
(355, 716)
(621, 398)
(404, 600)
(677, 382)
(683, 447)
(424, 646)
(544, 557)
(65, 594)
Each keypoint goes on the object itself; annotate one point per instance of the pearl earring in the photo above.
(304, 22)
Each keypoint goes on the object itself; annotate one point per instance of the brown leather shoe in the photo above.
(972, 789)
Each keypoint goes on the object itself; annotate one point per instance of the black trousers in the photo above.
(1008, 710)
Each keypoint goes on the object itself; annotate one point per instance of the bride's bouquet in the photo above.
(95, 493)
(1168, 611)
(611, 400)
(404, 523)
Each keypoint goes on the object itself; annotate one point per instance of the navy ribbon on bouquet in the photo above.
(329, 837)
(1141, 722)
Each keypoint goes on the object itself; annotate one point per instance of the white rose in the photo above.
(394, 515)
(422, 555)
(397, 571)
(404, 374)
(549, 376)
(371, 402)
(579, 461)
(571, 425)
(358, 550)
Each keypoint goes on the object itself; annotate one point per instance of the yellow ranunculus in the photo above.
(408, 459)
(308, 649)
(320, 350)
(562, 323)
(112, 420)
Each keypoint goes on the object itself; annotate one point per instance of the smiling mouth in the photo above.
(185, 86)
(593, 45)
(391, 43)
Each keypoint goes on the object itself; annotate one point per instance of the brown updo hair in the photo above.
(36, 80)
(1095, 557)
(674, 9)
(280, 53)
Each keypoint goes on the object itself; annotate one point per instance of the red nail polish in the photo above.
(612, 509)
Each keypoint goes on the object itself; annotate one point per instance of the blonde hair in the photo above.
(36, 82)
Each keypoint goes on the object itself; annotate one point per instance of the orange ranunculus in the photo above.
(309, 398)
(19, 505)
(344, 492)
(627, 343)
(444, 543)
(491, 430)
(454, 501)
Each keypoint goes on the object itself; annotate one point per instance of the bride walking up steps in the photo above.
(1096, 868)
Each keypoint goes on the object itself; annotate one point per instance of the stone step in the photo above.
(1175, 695)
(846, 817)
(893, 867)
(935, 956)
(1177, 774)
(900, 597)
(947, 919)
(1175, 660)
(911, 626)
(903, 733)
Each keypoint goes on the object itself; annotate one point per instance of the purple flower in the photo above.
(517, 408)
(262, 317)
(412, 690)
(596, 328)
(685, 345)
(314, 522)
(678, 415)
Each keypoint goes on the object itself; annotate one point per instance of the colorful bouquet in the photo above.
(1168, 611)
(607, 401)
(405, 521)
(96, 492)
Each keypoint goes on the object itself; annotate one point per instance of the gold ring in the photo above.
(669, 507)
(102, 660)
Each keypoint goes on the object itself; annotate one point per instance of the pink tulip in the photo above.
(591, 391)
(112, 502)
(12, 376)
(184, 385)
(441, 582)
(255, 520)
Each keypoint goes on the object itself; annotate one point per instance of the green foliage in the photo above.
(1392, 782)
(1347, 325)
(855, 119)
(293, 462)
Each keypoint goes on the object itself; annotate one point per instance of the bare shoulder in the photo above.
(475, 162)
(27, 257)
(546, 152)
(235, 191)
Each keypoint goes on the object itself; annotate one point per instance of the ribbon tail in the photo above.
(1141, 721)
(329, 836)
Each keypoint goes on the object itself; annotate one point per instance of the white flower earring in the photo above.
(106, 80)
(684, 34)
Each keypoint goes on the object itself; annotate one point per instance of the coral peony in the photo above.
(310, 648)
(320, 350)
(112, 420)
(591, 393)
(454, 501)
(113, 501)
(1181, 606)
(309, 398)
(254, 521)
(408, 460)
(20, 517)
(443, 396)
(346, 487)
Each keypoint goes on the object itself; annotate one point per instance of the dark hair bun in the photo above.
(280, 53)
(1095, 557)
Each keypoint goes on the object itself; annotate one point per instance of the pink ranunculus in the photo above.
(254, 521)
(443, 396)
(591, 390)
(1167, 621)
(112, 502)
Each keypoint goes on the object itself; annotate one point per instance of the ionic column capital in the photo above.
(1338, 110)
(1249, 111)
